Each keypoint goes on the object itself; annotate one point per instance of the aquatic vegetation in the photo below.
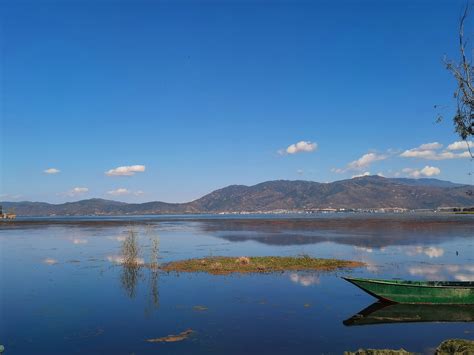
(131, 249)
(243, 260)
(257, 264)
(447, 347)
(154, 253)
(131, 261)
(378, 352)
(172, 338)
(455, 347)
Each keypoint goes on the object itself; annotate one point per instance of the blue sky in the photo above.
(207, 94)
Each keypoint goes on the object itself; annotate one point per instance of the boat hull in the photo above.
(417, 292)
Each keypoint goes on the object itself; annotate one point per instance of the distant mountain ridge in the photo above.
(367, 192)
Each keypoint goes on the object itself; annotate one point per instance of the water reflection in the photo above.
(134, 267)
(304, 279)
(384, 313)
(431, 252)
(153, 292)
(79, 241)
(443, 272)
(365, 232)
(129, 279)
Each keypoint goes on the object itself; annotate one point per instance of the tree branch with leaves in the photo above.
(463, 72)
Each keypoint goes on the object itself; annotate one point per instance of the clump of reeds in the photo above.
(131, 249)
(154, 248)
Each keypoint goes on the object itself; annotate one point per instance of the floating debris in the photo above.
(200, 308)
(172, 338)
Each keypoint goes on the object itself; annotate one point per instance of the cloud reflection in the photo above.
(50, 261)
(443, 272)
(431, 252)
(118, 259)
(305, 280)
(79, 241)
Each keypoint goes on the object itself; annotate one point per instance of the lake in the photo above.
(64, 291)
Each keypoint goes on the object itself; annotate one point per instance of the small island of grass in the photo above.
(221, 265)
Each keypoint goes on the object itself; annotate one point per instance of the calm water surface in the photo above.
(63, 290)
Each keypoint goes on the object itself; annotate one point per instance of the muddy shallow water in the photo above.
(64, 290)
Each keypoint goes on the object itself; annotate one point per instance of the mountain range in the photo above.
(367, 192)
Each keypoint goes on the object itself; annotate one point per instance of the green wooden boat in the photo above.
(387, 313)
(414, 292)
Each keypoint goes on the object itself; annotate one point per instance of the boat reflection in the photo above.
(385, 313)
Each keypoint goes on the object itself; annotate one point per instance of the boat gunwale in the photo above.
(406, 283)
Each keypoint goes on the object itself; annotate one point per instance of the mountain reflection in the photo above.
(369, 232)
(385, 313)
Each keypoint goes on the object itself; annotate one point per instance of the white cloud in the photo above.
(460, 145)
(300, 171)
(300, 147)
(77, 191)
(464, 277)
(51, 171)
(430, 146)
(430, 151)
(138, 193)
(367, 173)
(365, 161)
(426, 171)
(126, 170)
(118, 192)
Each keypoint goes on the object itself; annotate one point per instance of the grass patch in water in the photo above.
(172, 338)
(221, 265)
